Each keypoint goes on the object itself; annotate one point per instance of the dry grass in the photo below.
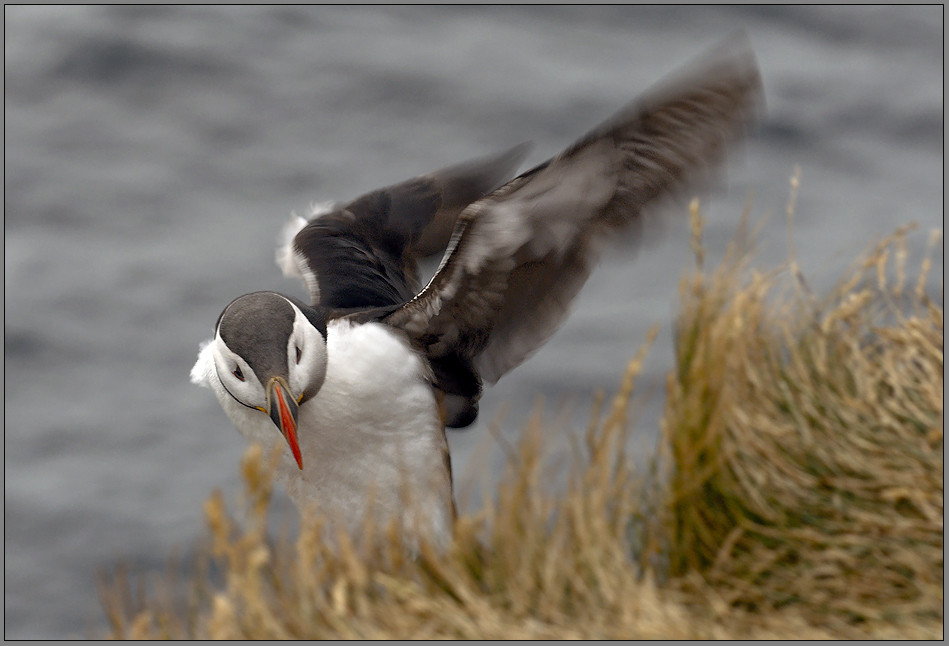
(801, 496)
(806, 444)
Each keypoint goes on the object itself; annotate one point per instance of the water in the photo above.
(152, 154)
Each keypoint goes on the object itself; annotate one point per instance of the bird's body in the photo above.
(373, 437)
(379, 390)
(362, 381)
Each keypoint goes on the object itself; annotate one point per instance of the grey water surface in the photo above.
(153, 153)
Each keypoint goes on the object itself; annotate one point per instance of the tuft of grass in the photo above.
(532, 563)
(805, 440)
(797, 493)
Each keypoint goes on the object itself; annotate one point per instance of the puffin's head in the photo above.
(267, 357)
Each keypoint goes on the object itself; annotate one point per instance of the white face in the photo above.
(236, 376)
(219, 366)
(306, 357)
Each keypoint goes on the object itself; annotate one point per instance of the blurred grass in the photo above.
(806, 442)
(797, 493)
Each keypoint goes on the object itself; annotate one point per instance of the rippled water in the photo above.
(152, 154)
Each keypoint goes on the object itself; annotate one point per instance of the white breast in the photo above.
(371, 438)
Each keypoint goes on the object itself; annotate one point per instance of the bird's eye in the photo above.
(299, 353)
(237, 373)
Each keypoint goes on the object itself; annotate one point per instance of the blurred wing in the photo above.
(364, 254)
(519, 256)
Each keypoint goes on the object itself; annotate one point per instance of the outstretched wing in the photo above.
(364, 253)
(519, 256)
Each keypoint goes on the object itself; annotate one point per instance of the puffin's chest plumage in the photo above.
(372, 435)
(375, 381)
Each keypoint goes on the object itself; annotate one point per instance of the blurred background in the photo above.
(152, 155)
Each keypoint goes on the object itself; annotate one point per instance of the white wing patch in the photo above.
(285, 255)
(292, 263)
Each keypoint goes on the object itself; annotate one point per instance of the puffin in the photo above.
(359, 382)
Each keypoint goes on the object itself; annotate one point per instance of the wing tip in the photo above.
(470, 180)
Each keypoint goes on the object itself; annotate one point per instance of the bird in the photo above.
(359, 383)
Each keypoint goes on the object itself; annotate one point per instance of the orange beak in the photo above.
(283, 411)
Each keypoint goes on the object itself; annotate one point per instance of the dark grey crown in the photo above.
(258, 326)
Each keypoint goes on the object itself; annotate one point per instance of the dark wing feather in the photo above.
(519, 256)
(364, 253)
